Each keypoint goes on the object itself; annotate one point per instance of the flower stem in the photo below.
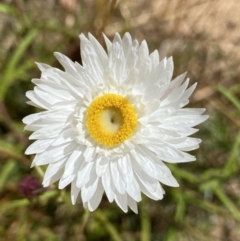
(109, 227)
(39, 171)
(145, 221)
(85, 219)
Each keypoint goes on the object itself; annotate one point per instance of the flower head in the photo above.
(30, 187)
(109, 124)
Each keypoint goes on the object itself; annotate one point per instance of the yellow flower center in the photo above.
(111, 119)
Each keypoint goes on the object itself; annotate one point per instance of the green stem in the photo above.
(145, 221)
(39, 171)
(109, 227)
(179, 172)
(85, 219)
(227, 202)
(180, 206)
(171, 234)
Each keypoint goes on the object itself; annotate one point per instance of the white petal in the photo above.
(116, 177)
(121, 200)
(38, 101)
(155, 81)
(188, 144)
(125, 168)
(189, 92)
(74, 85)
(180, 130)
(93, 65)
(88, 190)
(89, 154)
(74, 192)
(68, 65)
(143, 51)
(53, 173)
(52, 115)
(50, 131)
(154, 56)
(54, 153)
(165, 176)
(101, 165)
(97, 197)
(56, 90)
(158, 115)
(99, 50)
(63, 182)
(175, 83)
(126, 43)
(186, 120)
(38, 146)
(43, 67)
(190, 111)
(176, 94)
(157, 194)
(155, 167)
(170, 154)
(84, 173)
(108, 43)
(65, 136)
(74, 161)
(107, 184)
(132, 204)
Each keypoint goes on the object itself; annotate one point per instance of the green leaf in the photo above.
(5, 172)
(11, 67)
(232, 166)
(25, 202)
(4, 8)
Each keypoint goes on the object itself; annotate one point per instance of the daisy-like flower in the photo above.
(109, 124)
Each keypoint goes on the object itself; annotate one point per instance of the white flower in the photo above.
(109, 123)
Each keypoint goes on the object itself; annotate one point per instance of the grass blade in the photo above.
(230, 96)
(5, 172)
(11, 67)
